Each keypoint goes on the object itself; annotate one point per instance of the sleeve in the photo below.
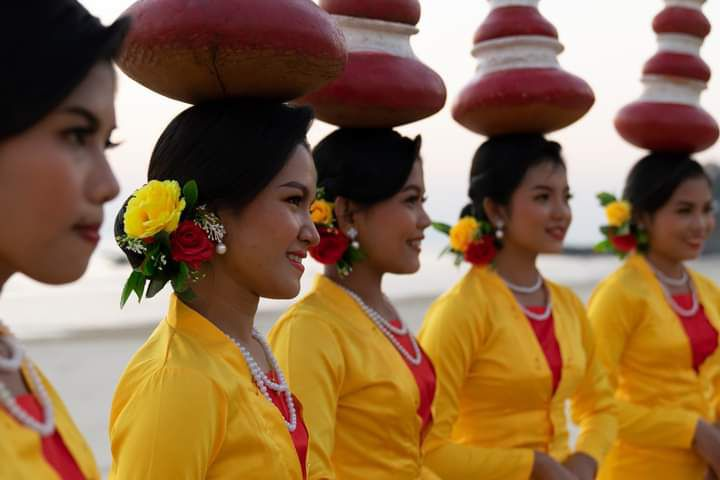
(450, 335)
(308, 352)
(171, 426)
(611, 319)
(427, 474)
(593, 405)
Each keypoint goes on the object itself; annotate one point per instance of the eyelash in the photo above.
(79, 135)
(415, 199)
(295, 200)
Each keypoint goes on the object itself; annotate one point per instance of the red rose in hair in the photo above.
(624, 243)
(332, 246)
(190, 244)
(482, 251)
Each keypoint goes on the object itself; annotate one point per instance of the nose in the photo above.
(424, 220)
(308, 233)
(101, 184)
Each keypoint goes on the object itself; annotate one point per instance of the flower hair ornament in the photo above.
(471, 240)
(622, 236)
(168, 238)
(336, 247)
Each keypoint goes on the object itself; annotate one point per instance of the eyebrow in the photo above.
(412, 187)
(547, 188)
(84, 113)
(297, 185)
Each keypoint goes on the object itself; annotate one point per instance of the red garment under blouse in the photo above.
(53, 447)
(300, 435)
(545, 333)
(702, 335)
(424, 374)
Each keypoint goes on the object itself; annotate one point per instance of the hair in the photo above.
(655, 177)
(231, 148)
(365, 165)
(500, 165)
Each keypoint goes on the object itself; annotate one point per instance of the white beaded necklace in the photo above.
(668, 280)
(540, 317)
(263, 382)
(12, 364)
(673, 282)
(388, 329)
(520, 289)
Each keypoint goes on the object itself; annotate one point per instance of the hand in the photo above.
(582, 465)
(546, 468)
(707, 444)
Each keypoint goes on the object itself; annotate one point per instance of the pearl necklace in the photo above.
(47, 426)
(520, 289)
(680, 310)
(540, 317)
(668, 280)
(674, 282)
(263, 382)
(388, 329)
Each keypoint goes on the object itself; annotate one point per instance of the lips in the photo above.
(558, 233)
(416, 243)
(296, 259)
(90, 233)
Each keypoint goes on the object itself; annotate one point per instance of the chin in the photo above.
(283, 290)
(58, 275)
(406, 268)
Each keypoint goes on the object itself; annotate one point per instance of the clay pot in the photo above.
(196, 50)
(519, 86)
(384, 83)
(668, 115)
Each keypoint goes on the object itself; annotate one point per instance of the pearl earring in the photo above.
(220, 248)
(499, 230)
(352, 234)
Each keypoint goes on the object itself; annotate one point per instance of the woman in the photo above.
(54, 180)
(509, 346)
(204, 397)
(366, 385)
(657, 325)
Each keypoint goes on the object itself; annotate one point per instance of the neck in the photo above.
(228, 305)
(669, 266)
(517, 265)
(5, 273)
(363, 280)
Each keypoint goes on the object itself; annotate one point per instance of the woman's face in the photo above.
(54, 180)
(390, 232)
(539, 213)
(678, 230)
(269, 238)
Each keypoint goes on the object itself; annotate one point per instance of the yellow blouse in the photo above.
(360, 398)
(495, 403)
(21, 453)
(649, 359)
(186, 407)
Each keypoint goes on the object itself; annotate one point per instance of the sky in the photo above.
(606, 43)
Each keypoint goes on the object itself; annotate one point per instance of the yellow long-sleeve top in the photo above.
(21, 454)
(495, 402)
(360, 398)
(649, 360)
(186, 407)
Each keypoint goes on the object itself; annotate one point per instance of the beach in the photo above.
(85, 362)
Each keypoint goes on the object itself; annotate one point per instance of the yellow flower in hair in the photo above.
(618, 213)
(463, 233)
(321, 212)
(154, 208)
